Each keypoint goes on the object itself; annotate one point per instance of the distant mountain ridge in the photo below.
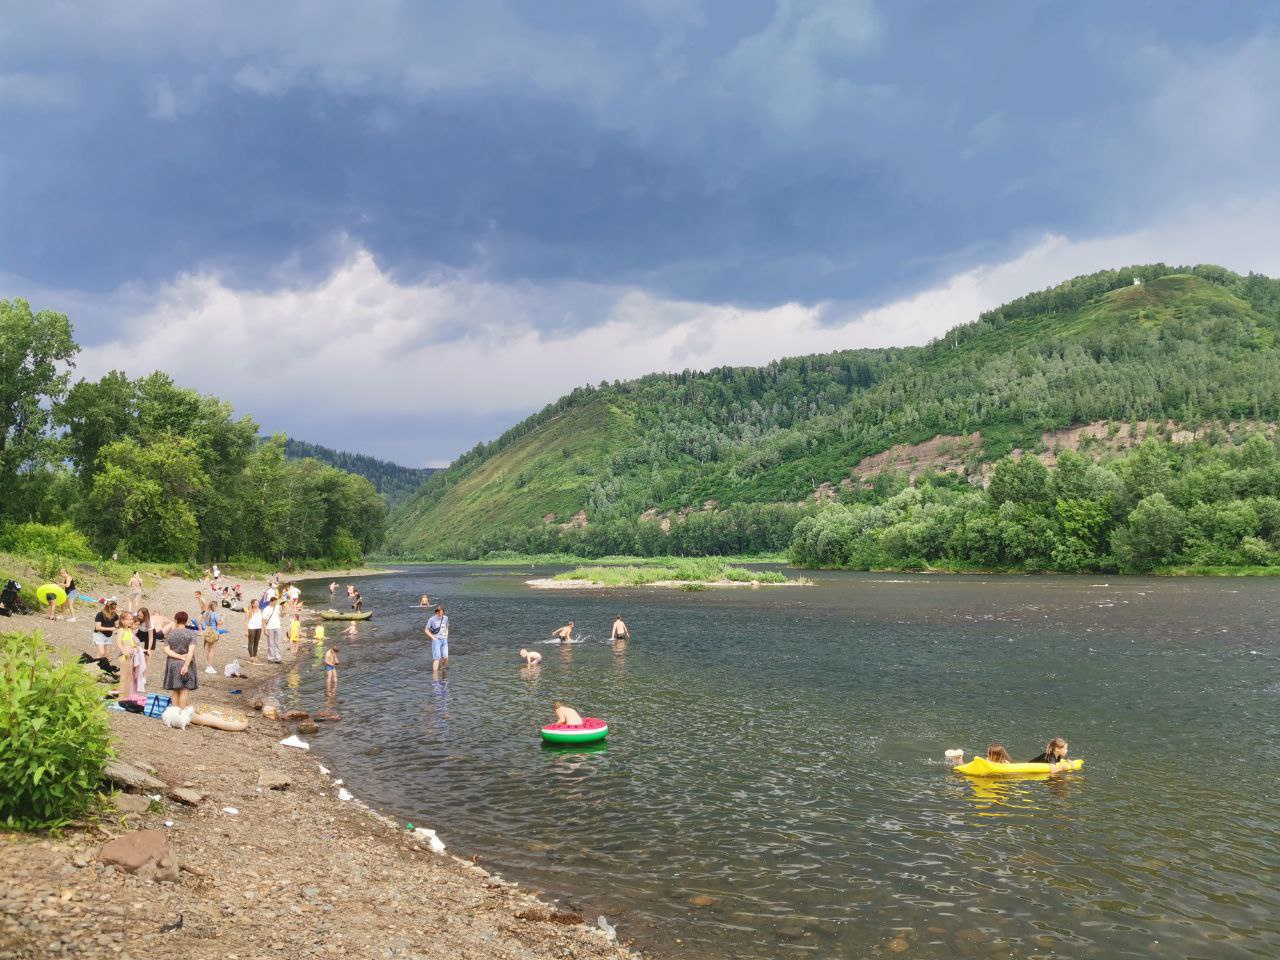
(612, 465)
(396, 483)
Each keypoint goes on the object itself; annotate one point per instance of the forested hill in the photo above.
(395, 482)
(728, 458)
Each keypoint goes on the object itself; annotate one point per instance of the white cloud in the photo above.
(362, 344)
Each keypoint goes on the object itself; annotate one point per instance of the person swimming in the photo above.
(564, 634)
(531, 657)
(996, 753)
(1055, 753)
(567, 715)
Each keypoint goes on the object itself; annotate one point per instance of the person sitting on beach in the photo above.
(620, 631)
(567, 715)
(331, 671)
(998, 754)
(1055, 754)
(531, 657)
(564, 634)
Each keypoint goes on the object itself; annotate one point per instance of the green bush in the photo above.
(54, 736)
(46, 540)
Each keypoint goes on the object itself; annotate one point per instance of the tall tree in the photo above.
(37, 351)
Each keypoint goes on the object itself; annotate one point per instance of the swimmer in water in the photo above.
(998, 754)
(352, 630)
(620, 631)
(567, 715)
(565, 633)
(1055, 754)
(425, 601)
(531, 657)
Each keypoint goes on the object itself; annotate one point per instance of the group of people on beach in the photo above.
(127, 640)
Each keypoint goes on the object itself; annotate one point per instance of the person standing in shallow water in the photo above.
(437, 629)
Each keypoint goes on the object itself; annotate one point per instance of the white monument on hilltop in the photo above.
(1137, 281)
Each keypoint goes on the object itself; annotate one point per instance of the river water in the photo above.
(774, 784)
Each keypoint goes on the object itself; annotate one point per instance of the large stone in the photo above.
(295, 715)
(185, 795)
(128, 803)
(135, 850)
(129, 777)
(308, 726)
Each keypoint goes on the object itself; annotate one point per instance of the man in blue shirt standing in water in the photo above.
(437, 629)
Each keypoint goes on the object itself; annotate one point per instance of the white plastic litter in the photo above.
(324, 769)
(609, 929)
(293, 741)
(154, 796)
(337, 783)
(433, 841)
(954, 756)
(345, 794)
(231, 810)
(168, 823)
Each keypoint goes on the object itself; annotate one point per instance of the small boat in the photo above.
(590, 730)
(982, 767)
(346, 614)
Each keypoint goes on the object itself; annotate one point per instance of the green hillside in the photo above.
(394, 482)
(731, 458)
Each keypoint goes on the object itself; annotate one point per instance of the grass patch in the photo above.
(697, 570)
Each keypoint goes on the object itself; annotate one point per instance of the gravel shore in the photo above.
(293, 872)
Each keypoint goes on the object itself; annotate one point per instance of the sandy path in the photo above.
(295, 873)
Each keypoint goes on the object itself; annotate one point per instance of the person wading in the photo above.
(437, 629)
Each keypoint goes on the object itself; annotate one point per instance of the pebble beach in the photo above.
(256, 852)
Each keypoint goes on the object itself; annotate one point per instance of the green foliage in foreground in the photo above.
(1167, 505)
(700, 570)
(54, 736)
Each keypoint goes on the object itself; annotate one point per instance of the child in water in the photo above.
(295, 634)
(531, 658)
(998, 754)
(1055, 753)
(331, 671)
(567, 715)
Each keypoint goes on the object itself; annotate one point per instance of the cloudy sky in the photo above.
(397, 227)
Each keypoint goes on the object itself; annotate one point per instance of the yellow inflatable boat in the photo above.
(982, 767)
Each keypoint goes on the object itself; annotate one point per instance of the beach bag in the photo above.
(156, 704)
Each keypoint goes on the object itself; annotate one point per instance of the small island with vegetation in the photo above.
(692, 573)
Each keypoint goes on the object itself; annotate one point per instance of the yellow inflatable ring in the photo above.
(51, 591)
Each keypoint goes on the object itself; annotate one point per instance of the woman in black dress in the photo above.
(180, 650)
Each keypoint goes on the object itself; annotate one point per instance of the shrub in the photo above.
(54, 736)
(46, 540)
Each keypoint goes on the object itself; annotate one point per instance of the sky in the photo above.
(397, 228)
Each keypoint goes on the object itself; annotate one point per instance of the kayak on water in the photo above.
(590, 730)
(982, 767)
(346, 614)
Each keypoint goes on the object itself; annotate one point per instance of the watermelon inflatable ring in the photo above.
(589, 731)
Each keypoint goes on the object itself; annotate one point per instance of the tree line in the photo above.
(154, 471)
(1165, 505)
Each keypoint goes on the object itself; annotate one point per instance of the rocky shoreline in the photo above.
(251, 849)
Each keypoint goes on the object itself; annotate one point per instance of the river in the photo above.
(774, 782)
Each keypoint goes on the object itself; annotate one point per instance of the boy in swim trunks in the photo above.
(331, 671)
(531, 657)
(565, 633)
